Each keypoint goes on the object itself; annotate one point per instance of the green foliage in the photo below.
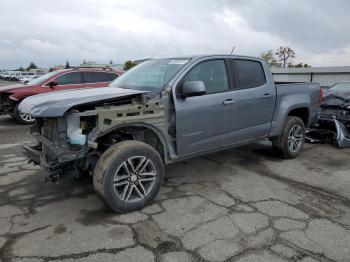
(67, 65)
(129, 64)
(300, 65)
(285, 54)
(269, 58)
(21, 69)
(32, 66)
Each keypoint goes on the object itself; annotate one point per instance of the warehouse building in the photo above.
(325, 76)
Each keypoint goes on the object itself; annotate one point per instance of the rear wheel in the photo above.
(129, 175)
(23, 118)
(291, 142)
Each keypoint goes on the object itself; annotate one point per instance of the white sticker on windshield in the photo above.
(178, 62)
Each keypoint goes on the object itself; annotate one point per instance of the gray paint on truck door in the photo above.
(257, 99)
(210, 120)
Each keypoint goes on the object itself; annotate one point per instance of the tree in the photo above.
(32, 66)
(110, 62)
(20, 69)
(84, 61)
(67, 65)
(300, 65)
(285, 54)
(129, 64)
(269, 58)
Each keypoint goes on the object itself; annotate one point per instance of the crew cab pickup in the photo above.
(162, 111)
(73, 78)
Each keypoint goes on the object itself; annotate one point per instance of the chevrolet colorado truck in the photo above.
(163, 111)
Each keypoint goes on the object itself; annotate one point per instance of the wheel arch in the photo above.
(303, 113)
(143, 132)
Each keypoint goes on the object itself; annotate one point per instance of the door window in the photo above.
(213, 73)
(73, 78)
(250, 73)
(96, 77)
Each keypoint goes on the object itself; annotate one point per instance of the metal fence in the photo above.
(325, 76)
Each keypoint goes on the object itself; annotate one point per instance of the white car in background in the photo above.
(19, 75)
(27, 79)
(7, 76)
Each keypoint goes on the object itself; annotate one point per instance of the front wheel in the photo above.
(291, 142)
(23, 118)
(129, 175)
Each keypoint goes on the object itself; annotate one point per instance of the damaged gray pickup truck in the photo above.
(162, 111)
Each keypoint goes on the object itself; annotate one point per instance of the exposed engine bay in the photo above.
(334, 121)
(74, 142)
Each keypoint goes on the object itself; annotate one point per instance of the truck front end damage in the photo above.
(71, 144)
(54, 152)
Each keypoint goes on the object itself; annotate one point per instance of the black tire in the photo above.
(21, 118)
(113, 160)
(282, 143)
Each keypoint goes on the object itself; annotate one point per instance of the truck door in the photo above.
(207, 121)
(257, 99)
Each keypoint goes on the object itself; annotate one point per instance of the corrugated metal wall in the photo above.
(325, 76)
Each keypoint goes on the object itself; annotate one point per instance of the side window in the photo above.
(250, 73)
(111, 76)
(96, 77)
(213, 73)
(69, 79)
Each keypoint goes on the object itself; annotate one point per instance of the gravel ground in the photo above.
(244, 204)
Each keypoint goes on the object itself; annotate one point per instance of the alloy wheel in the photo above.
(134, 179)
(27, 118)
(295, 138)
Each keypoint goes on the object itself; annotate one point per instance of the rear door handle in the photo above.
(266, 96)
(229, 101)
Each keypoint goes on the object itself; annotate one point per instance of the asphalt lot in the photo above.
(244, 204)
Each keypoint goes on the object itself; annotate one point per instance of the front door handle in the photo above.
(229, 101)
(266, 96)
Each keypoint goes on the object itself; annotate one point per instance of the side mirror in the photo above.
(193, 88)
(52, 84)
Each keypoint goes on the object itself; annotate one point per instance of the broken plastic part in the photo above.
(343, 136)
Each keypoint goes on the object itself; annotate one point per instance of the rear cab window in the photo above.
(250, 73)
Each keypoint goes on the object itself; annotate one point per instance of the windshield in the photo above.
(151, 75)
(341, 87)
(42, 78)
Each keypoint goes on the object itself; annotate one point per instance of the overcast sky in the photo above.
(50, 32)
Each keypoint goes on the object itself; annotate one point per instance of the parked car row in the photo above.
(23, 77)
(11, 96)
